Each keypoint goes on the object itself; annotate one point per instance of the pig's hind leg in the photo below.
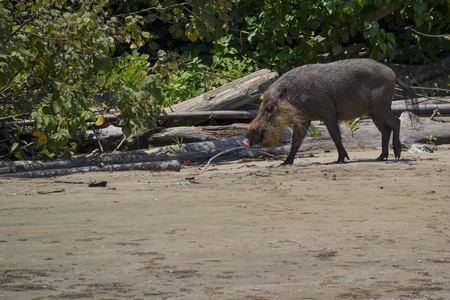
(396, 137)
(387, 125)
(394, 124)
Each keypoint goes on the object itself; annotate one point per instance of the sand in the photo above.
(247, 230)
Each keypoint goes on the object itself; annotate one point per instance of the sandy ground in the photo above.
(248, 230)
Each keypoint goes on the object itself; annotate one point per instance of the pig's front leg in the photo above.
(299, 132)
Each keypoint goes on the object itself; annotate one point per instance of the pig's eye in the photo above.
(269, 109)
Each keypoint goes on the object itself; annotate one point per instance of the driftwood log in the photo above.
(230, 96)
(192, 134)
(172, 157)
(427, 106)
(35, 169)
(205, 115)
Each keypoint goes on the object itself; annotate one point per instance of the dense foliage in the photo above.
(59, 60)
(288, 33)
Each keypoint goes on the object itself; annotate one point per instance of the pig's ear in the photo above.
(282, 94)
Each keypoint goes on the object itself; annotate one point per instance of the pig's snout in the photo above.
(253, 137)
(246, 144)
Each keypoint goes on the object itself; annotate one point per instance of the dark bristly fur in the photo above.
(341, 90)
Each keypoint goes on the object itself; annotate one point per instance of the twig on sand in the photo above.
(51, 192)
(233, 149)
(219, 154)
(266, 154)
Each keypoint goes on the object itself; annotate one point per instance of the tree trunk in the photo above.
(196, 115)
(44, 169)
(171, 157)
(230, 96)
(427, 106)
(193, 134)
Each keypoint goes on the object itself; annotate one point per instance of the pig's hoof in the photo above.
(286, 162)
(342, 157)
(341, 160)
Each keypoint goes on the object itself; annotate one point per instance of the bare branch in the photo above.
(151, 8)
(445, 36)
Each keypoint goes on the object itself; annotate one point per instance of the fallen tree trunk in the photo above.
(427, 106)
(172, 157)
(193, 134)
(230, 96)
(218, 115)
(173, 165)
(418, 131)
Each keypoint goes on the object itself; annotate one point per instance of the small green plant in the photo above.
(14, 146)
(47, 153)
(430, 139)
(178, 141)
(17, 150)
(352, 125)
(314, 132)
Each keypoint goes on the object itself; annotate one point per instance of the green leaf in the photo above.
(251, 36)
(86, 115)
(130, 20)
(349, 8)
(390, 37)
(383, 47)
(56, 106)
(363, 3)
(14, 147)
(419, 7)
(146, 34)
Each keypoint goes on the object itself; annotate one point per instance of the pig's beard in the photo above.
(269, 133)
(287, 115)
(272, 134)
